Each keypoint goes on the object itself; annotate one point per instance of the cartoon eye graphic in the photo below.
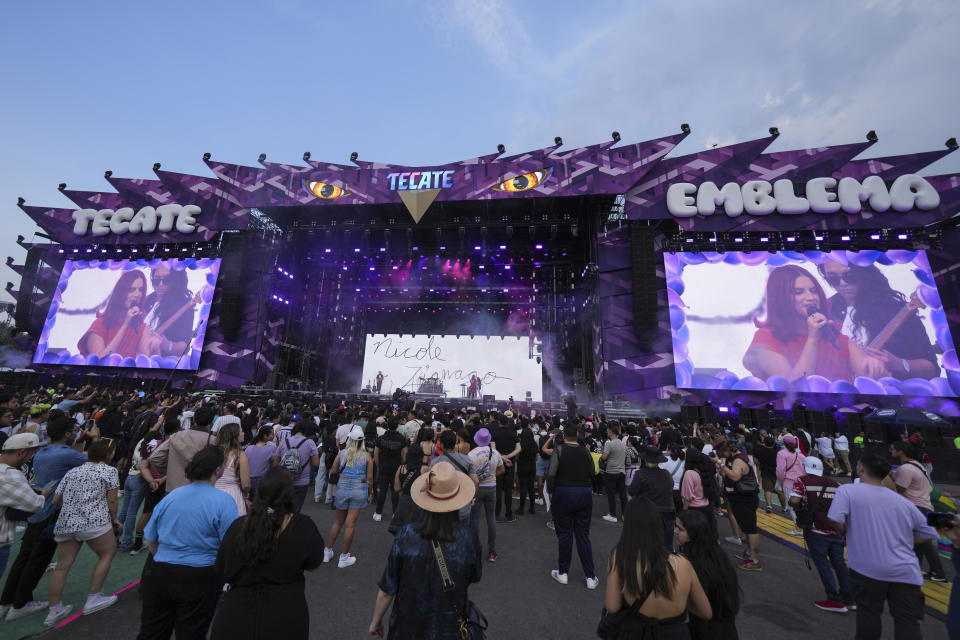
(325, 190)
(524, 182)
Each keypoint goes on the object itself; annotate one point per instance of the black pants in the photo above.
(614, 485)
(525, 481)
(505, 492)
(906, 607)
(385, 484)
(36, 552)
(178, 599)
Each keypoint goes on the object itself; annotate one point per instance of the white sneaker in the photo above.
(559, 577)
(25, 610)
(97, 602)
(377, 517)
(734, 541)
(610, 518)
(327, 554)
(57, 613)
(346, 561)
(592, 583)
(52, 566)
(538, 501)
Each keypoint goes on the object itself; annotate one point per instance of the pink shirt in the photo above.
(691, 489)
(913, 481)
(789, 466)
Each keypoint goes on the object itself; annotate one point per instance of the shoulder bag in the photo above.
(805, 516)
(473, 624)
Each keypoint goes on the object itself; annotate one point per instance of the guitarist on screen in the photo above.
(880, 319)
(170, 309)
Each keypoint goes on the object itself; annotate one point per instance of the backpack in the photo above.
(291, 457)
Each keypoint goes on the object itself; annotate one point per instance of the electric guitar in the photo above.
(162, 329)
(887, 332)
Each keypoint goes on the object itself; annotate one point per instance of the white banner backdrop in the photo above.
(503, 364)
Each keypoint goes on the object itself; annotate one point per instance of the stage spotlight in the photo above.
(558, 141)
(107, 174)
(20, 202)
(616, 136)
(873, 236)
(206, 156)
(261, 158)
(952, 144)
(847, 238)
(872, 136)
(306, 156)
(902, 236)
(501, 148)
(574, 230)
(62, 186)
(353, 156)
(774, 132)
(685, 127)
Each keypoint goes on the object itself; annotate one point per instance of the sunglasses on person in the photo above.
(158, 279)
(833, 279)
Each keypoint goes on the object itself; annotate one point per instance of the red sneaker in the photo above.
(830, 605)
(851, 606)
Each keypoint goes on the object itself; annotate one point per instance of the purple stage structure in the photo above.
(304, 245)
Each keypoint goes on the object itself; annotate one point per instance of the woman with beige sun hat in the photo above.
(438, 552)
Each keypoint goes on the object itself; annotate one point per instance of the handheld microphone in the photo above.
(827, 330)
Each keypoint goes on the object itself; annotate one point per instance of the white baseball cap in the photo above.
(21, 441)
(813, 466)
(356, 433)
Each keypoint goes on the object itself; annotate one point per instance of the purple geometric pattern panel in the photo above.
(742, 162)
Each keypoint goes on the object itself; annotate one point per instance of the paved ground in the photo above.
(518, 595)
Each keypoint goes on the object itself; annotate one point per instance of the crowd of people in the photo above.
(214, 489)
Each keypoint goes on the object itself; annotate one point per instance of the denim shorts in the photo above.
(352, 493)
(543, 466)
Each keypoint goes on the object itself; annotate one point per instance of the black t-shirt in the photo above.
(391, 446)
(655, 484)
(574, 467)
(767, 458)
(299, 548)
(505, 439)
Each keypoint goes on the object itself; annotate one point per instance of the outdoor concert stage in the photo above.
(631, 274)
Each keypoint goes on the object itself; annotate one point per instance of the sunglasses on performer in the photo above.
(158, 279)
(833, 279)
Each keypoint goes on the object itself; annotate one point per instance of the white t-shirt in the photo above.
(840, 443)
(343, 431)
(187, 419)
(825, 446)
(222, 421)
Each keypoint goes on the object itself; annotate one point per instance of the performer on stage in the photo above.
(472, 389)
(864, 305)
(170, 297)
(120, 327)
(379, 382)
(798, 340)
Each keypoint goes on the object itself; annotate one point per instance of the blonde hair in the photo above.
(353, 451)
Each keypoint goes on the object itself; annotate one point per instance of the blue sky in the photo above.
(108, 85)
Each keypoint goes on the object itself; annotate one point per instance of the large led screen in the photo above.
(867, 322)
(453, 366)
(126, 313)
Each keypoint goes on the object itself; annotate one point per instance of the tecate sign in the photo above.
(165, 218)
(821, 195)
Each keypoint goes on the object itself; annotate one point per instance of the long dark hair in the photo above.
(117, 307)
(876, 300)
(641, 557)
(437, 526)
(713, 567)
(782, 318)
(257, 540)
(707, 470)
(177, 284)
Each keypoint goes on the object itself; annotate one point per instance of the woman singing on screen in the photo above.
(120, 327)
(798, 340)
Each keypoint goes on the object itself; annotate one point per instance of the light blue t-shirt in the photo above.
(50, 464)
(880, 529)
(189, 524)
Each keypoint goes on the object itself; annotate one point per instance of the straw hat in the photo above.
(442, 489)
